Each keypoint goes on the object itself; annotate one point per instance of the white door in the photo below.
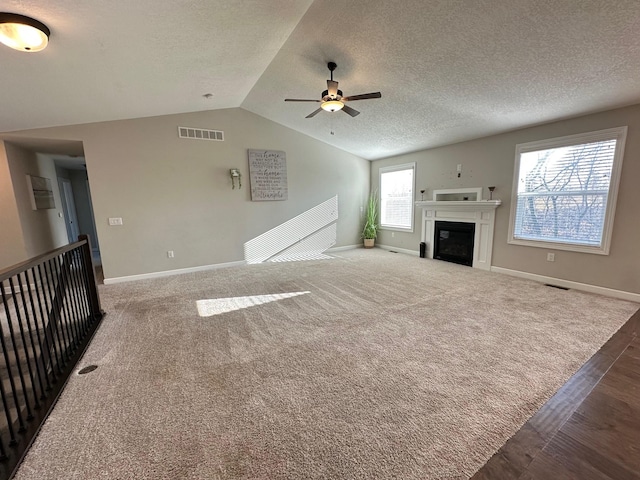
(69, 208)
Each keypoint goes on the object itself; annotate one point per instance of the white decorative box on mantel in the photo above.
(450, 206)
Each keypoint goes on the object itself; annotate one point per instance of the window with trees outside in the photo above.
(396, 196)
(565, 190)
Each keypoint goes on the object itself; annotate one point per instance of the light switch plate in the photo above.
(115, 221)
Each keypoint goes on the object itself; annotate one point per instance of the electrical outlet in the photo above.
(393, 234)
(115, 221)
(170, 254)
(551, 257)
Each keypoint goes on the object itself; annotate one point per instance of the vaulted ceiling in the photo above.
(448, 70)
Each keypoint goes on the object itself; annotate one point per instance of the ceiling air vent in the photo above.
(200, 134)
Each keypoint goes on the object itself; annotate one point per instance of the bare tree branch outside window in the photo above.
(562, 193)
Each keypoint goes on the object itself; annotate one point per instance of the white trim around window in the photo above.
(404, 221)
(610, 191)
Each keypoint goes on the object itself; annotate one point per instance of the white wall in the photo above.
(175, 194)
(490, 161)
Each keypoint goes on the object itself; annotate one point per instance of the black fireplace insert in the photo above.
(453, 242)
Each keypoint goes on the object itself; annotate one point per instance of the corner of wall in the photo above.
(13, 249)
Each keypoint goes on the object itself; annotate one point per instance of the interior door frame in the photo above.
(69, 209)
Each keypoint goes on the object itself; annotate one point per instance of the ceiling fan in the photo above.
(332, 99)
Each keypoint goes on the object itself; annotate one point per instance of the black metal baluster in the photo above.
(52, 322)
(16, 353)
(42, 365)
(77, 296)
(57, 301)
(24, 279)
(14, 393)
(83, 282)
(56, 313)
(71, 298)
(61, 292)
(92, 286)
(27, 357)
(5, 400)
(3, 451)
(3, 394)
(53, 359)
(84, 297)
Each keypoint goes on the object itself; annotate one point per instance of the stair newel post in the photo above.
(92, 284)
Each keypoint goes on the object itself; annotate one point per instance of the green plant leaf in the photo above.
(371, 226)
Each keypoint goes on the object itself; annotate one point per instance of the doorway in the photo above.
(69, 209)
(75, 197)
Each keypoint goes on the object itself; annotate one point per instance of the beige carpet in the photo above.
(390, 366)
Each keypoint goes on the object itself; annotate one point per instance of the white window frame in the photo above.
(396, 168)
(620, 135)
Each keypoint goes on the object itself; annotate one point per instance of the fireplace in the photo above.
(455, 206)
(453, 242)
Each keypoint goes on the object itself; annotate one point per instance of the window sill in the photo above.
(397, 229)
(598, 250)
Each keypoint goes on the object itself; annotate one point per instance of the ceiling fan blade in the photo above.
(332, 88)
(300, 100)
(314, 113)
(350, 111)
(363, 96)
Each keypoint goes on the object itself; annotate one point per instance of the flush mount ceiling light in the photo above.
(23, 33)
(332, 105)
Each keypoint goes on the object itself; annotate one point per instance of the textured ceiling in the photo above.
(119, 59)
(448, 70)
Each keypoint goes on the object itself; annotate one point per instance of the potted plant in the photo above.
(370, 230)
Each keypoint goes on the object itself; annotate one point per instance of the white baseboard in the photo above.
(399, 250)
(609, 292)
(342, 249)
(146, 276)
(167, 273)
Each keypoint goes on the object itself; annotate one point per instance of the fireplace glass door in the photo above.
(453, 242)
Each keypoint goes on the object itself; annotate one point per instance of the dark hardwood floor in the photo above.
(590, 429)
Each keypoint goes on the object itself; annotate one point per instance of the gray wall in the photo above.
(490, 161)
(12, 249)
(42, 230)
(175, 194)
(82, 199)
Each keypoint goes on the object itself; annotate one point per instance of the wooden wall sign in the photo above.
(268, 175)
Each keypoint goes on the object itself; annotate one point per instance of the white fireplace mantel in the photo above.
(480, 212)
(460, 206)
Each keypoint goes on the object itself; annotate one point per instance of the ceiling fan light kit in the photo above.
(23, 33)
(332, 99)
(332, 105)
